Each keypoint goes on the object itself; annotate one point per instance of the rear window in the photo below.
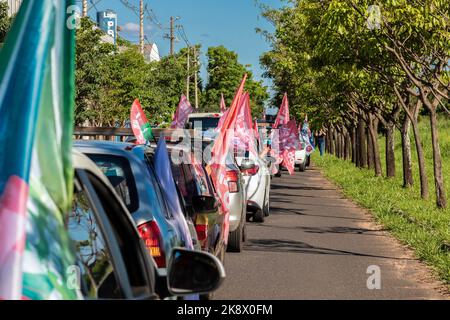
(117, 169)
(206, 122)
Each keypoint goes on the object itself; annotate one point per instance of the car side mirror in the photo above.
(193, 272)
(204, 204)
(247, 164)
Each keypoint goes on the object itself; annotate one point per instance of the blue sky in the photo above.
(230, 23)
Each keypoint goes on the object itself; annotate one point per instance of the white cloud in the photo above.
(131, 27)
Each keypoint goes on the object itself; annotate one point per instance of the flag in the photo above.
(307, 136)
(283, 113)
(165, 177)
(244, 135)
(139, 123)
(223, 106)
(220, 151)
(37, 77)
(289, 144)
(181, 115)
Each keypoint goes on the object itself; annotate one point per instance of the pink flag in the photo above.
(223, 106)
(13, 210)
(289, 143)
(283, 113)
(138, 121)
(181, 115)
(219, 153)
(244, 135)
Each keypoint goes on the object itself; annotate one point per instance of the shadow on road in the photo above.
(297, 187)
(276, 245)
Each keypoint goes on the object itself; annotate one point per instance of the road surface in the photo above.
(318, 245)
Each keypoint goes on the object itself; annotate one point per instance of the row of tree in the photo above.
(109, 78)
(360, 67)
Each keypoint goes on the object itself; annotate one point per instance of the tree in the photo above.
(5, 21)
(344, 71)
(225, 72)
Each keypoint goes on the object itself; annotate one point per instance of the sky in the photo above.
(230, 23)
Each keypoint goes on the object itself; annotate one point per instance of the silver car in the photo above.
(256, 172)
(236, 183)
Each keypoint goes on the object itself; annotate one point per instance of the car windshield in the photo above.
(118, 171)
(206, 123)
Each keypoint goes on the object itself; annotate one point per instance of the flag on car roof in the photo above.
(36, 174)
(220, 151)
(289, 143)
(181, 115)
(223, 105)
(283, 113)
(139, 123)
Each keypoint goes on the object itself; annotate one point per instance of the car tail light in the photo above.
(151, 235)
(250, 172)
(202, 231)
(233, 180)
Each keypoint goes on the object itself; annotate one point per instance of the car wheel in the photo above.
(302, 167)
(266, 209)
(235, 240)
(258, 216)
(244, 233)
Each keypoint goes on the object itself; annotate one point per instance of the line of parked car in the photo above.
(132, 245)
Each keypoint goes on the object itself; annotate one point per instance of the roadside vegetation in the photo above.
(414, 221)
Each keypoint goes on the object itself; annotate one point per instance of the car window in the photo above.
(127, 238)
(119, 173)
(156, 192)
(98, 278)
(180, 180)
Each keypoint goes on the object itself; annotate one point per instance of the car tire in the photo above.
(266, 209)
(302, 167)
(235, 239)
(258, 216)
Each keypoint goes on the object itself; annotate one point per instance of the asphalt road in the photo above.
(318, 245)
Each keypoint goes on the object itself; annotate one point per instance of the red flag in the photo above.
(139, 123)
(223, 106)
(283, 113)
(181, 115)
(220, 151)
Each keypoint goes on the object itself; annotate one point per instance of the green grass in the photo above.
(415, 222)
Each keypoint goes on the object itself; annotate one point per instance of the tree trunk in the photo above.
(390, 149)
(354, 147)
(408, 179)
(373, 131)
(362, 150)
(441, 200)
(424, 191)
(370, 154)
(346, 144)
(332, 142)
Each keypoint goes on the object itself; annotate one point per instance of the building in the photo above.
(13, 5)
(151, 52)
(107, 21)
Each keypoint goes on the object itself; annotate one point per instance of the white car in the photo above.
(301, 157)
(256, 172)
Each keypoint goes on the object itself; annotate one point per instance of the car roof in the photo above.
(205, 115)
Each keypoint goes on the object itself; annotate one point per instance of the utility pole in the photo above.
(188, 74)
(85, 8)
(195, 77)
(172, 35)
(141, 29)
